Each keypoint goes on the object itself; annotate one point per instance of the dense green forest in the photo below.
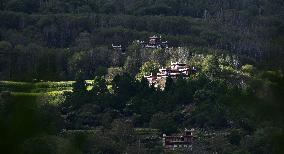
(52, 32)
(65, 89)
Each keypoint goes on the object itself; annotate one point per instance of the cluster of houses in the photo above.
(176, 70)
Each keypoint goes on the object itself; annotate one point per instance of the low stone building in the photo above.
(181, 141)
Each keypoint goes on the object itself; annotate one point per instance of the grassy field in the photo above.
(51, 92)
(38, 87)
(53, 98)
(48, 92)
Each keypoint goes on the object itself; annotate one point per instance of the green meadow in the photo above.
(50, 92)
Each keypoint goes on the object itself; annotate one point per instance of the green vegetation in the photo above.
(65, 89)
(36, 87)
(148, 68)
(63, 38)
(224, 95)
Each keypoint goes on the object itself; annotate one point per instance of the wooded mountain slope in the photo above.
(50, 28)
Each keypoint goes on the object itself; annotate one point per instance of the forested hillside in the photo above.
(57, 29)
(72, 75)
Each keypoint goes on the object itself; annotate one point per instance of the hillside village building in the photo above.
(155, 42)
(176, 70)
(118, 52)
(179, 141)
(118, 48)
